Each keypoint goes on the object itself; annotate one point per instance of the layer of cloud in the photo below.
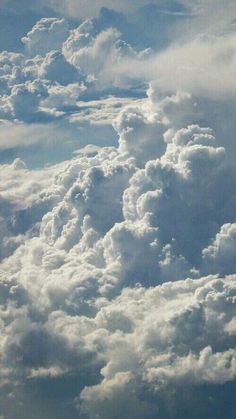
(85, 259)
(60, 67)
(117, 265)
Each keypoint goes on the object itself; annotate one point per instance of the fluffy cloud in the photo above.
(86, 256)
(55, 57)
(111, 227)
(25, 100)
(25, 197)
(221, 253)
(63, 97)
(47, 34)
(159, 353)
(181, 188)
(118, 265)
(95, 53)
(56, 68)
(148, 344)
(140, 134)
(204, 66)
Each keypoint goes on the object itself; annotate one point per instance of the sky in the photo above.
(117, 209)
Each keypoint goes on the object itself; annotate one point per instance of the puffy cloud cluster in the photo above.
(26, 82)
(57, 69)
(48, 34)
(57, 59)
(149, 345)
(117, 274)
(25, 198)
(87, 264)
(221, 253)
(97, 53)
(151, 356)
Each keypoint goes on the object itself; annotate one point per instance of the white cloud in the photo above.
(140, 134)
(61, 97)
(25, 197)
(220, 255)
(89, 246)
(204, 66)
(27, 83)
(104, 111)
(56, 68)
(47, 34)
(96, 54)
(161, 352)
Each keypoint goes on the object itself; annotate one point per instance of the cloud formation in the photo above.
(47, 34)
(90, 284)
(117, 272)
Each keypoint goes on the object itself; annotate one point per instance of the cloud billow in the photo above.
(117, 265)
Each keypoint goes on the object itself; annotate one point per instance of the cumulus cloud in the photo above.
(23, 202)
(55, 57)
(47, 34)
(25, 100)
(93, 53)
(140, 134)
(113, 225)
(159, 353)
(56, 68)
(118, 264)
(221, 253)
(63, 97)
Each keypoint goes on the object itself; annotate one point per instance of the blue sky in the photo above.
(117, 209)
